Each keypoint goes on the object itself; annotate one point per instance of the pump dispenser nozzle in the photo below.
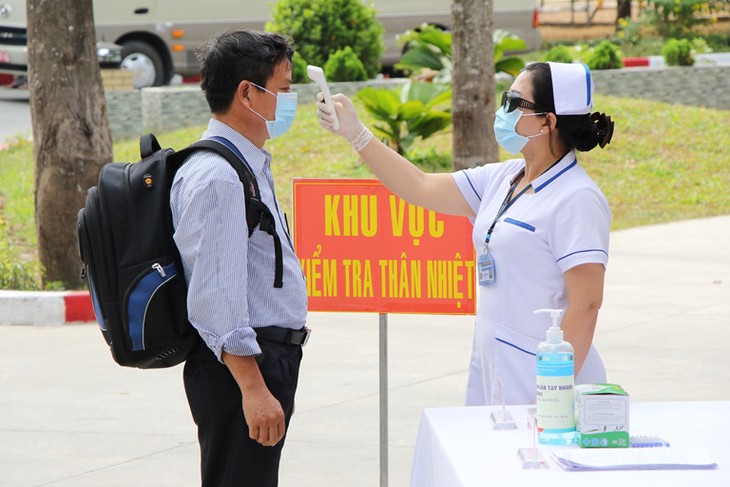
(554, 333)
(555, 381)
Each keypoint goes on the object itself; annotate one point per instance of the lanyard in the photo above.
(508, 201)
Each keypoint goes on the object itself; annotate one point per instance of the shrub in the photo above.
(628, 31)
(559, 54)
(299, 69)
(321, 27)
(700, 45)
(344, 65)
(678, 52)
(605, 55)
(677, 18)
(14, 272)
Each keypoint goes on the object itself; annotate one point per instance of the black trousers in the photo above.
(229, 458)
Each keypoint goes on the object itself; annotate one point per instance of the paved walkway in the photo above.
(69, 417)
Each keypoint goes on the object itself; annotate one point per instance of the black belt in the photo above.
(283, 335)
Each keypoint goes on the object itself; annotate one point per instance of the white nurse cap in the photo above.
(572, 88)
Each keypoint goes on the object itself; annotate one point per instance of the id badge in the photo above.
(485, 269)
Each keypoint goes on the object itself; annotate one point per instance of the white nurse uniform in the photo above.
(563, 223)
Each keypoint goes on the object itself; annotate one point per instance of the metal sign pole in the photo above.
(383, 400)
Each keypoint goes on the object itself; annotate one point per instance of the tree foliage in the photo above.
(319, 28)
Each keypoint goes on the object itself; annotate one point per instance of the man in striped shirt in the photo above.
(241, 378)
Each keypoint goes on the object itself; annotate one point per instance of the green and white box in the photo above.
(601, 416)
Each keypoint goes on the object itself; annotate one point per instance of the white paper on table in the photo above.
(632, 459)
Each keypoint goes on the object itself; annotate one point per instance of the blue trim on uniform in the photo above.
(579, 252)
(570, 166)
(468, 180)
(515, 346)
(524, 225)
(588, 85)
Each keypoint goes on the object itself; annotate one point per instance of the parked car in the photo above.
(159, 37)
(14, 38)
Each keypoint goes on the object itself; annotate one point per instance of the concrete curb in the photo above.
(49, 308)
(720, 58)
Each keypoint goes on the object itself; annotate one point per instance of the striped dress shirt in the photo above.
(230, 276)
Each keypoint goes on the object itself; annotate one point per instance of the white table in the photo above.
(459, 447)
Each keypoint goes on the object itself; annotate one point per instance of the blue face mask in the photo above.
(505, 132)
(286, 109)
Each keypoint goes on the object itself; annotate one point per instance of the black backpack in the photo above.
(131, 263)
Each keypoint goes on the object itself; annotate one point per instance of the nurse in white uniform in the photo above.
(541, 225)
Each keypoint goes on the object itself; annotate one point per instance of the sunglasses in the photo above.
(511, 102)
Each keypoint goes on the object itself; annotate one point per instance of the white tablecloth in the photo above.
(459, 447)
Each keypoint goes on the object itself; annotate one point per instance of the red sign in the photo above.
(364, 249)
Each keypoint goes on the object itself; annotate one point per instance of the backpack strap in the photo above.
(257, 213)
(148, 145)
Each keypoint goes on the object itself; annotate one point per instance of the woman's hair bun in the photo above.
(603, 126)
(584, 132)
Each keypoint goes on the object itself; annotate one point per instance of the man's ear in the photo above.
(242, 92)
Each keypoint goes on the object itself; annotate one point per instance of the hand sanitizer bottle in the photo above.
(555, 381)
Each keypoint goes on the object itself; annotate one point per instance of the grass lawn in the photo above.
(665, 163)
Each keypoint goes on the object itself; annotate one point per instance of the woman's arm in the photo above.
(584, 284)
(437, 192)
(433, 191)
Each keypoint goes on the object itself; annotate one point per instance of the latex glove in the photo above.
(351, 128)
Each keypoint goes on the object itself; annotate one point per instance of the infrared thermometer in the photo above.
(316, 74)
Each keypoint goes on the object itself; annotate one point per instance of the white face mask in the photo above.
(286, 109)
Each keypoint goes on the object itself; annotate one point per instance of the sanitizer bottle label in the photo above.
(555, 397)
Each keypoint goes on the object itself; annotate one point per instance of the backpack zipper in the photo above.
(160, 270)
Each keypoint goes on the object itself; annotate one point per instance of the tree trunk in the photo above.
(473, 84)
(623, 10)
(71, 136)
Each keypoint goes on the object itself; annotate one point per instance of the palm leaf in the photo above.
(429, 124)
(509, 65)
(419, 57)
(421, 91)
(382, 103)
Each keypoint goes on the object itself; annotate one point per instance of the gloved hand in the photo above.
(351, 128)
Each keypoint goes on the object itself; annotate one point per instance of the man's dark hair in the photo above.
(233, 56)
